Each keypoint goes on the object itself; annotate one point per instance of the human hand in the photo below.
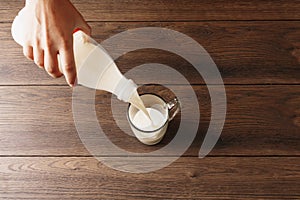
(52, 23)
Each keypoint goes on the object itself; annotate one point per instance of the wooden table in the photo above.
(256, 46)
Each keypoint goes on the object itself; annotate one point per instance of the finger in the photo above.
(68, 64)
(51, 64)
(28, 52)
(38, 55)
(82, 25)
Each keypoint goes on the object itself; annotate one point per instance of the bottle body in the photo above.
(95, 68)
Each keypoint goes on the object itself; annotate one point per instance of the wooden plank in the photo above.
(170, 10)
(245, 53)
(187, 178)
(261, 120)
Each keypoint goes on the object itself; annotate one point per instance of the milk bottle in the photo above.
(95, 68)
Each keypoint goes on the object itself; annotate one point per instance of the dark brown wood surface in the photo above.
(261, 120)
(187, 178)
(245, 53)
(174, 10)
(256, 46)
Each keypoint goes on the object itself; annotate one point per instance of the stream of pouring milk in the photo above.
(137, 102)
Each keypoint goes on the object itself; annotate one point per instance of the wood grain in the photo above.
(261, 120)
(187, 178)
(245, 53)
(256, 47)
(170, 10)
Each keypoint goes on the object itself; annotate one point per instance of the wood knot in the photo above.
(296, 120)
(193, 174)
(296, 54)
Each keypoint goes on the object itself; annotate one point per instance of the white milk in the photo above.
(141, 121)
(95, 68)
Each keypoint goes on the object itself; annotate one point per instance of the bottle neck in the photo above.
(125, 89)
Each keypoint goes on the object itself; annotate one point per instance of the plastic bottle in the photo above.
(95, 68)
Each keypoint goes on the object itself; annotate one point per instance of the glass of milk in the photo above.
(151, 131)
